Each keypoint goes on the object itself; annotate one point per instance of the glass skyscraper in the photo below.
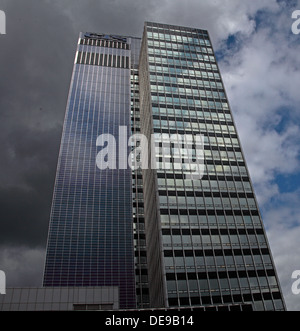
(90, 241)
(206, 243)
(164, 238)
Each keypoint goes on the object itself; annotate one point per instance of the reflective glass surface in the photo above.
(90, 239)
(213, 242)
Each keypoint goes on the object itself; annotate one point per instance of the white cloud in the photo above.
(221, 17)
(260, 81)
(283, 229)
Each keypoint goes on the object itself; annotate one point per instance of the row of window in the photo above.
(210, 116)
(220, 178)
(196, 92)
(213, 240)
(252, 302)
(182, 62)
(224, 275)
(105, 60)
(207, 201)
(220, 217)
(212, 232)
(202, 262)
(93, 236)
(207, 140)
(82, 76)
(263, 253)
(192, 153)
(84, 265)
(104, 43)
(196, 171)
(199, 102)
(195, 126)
(211, 141)
(88, 181)
(214, 191)
(205, 185)
(92, 307)
(166, 160)
(169, 36)
(176, 30)
(203, 119)
(181, 48)
(84, 209)
(185, 71)
(154, 50)
(187, 48)
(194, 183)
(184, 101)
(205, 285)
(185, 80)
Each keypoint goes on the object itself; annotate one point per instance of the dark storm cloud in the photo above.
(35, 70)
(26, 196)
(112, 16)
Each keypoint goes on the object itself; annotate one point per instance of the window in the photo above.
(171, 284)
(176, 240)
(167, 240)
(182, 285)
(224, 284)
(79, 307)
(203, 283)
(179, 261)
(186, 240)
(189, 261)
(169, 262)
(244, 282)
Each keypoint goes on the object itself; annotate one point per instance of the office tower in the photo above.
(90, 241)
(206, 243)
(165, 235)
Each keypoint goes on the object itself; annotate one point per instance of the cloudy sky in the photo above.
(259, 59)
